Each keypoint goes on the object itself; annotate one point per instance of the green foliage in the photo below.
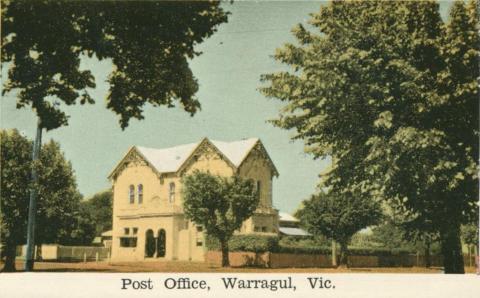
(304, 246)
(219, 204)
(59, 216)
(318, 240)
(390, 91)
(337, 217)
(262, 243)
(378, 251)
(389, 236)
(15, 181)
(250, 243)
(470, 234)
(99, 206)
(148, 42)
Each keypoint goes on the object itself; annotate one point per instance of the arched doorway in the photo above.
(161, 239)
(149, 244)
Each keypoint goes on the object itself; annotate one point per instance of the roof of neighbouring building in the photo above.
(168, 160)
(293, 231)
(283, 216)
(107, 233)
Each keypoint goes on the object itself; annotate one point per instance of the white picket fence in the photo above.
(61, 253)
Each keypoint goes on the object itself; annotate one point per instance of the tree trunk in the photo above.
(452, 249)
(428, 262)
(225, 260)
(10, 254)
(334, 254)
(343, 255)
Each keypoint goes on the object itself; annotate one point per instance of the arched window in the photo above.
(131, 194)
(140, 193)
(259, 188)
(171, 192)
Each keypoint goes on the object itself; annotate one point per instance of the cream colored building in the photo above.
(148, 219)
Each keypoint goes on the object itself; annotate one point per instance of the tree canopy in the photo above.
(219, 204)
(338, 217)
(60, 219)
(390, 91)
(148, 42)
(99, 206)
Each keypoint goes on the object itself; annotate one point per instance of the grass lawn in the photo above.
(179, 266)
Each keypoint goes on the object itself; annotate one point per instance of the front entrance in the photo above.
(149, 244)
(155, 247)
(161, 239)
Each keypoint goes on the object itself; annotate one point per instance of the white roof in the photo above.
(168, 159)
(171, 159)
(236, 151)
(293, 231)
(283, 216)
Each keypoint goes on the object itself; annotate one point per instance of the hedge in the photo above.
(305, 250)
(375, 251)
(253, 243)
(264, 243)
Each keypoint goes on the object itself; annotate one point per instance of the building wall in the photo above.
(162, 210)
(256, 167)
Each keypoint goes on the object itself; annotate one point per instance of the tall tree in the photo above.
(390, 92)
(15, 178)
(99, 206)
(219, 204)
(148, 42)
(338, 218)
(58, 202)
(470, 234)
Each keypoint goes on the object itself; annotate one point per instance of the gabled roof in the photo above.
(236, 151)
(170, 160)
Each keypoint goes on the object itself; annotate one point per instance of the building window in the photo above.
(140, 193)
(126, 231)
(264, 229)
(128, 241)
(258, 188)
(256, 229)
(172, 192)
(199, 228)
(135, 231)
(131, 194)
(199, 242)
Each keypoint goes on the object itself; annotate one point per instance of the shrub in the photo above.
(304, 250)
(252, 243)
(376, 251)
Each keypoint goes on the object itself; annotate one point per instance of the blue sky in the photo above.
(228, 73)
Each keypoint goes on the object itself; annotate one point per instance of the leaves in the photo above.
(59, 215)
(338, 217)
(148, 42)
(390, 92)
(219, 204)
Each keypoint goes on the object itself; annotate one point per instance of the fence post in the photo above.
(96, 256)
(84, 257)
